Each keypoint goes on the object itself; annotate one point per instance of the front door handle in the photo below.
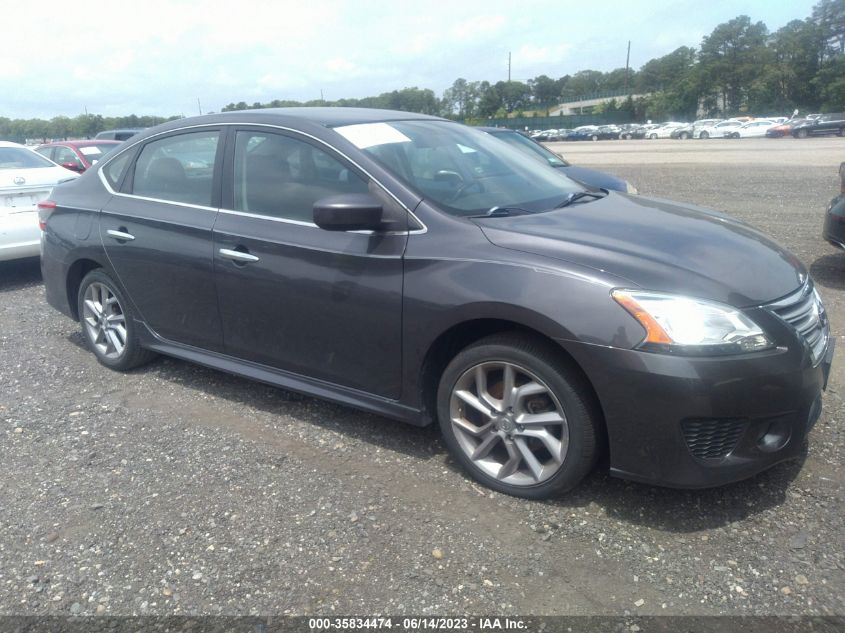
(237, 256)
(121, 236)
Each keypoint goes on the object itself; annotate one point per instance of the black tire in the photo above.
(704, 135)
(594, 137)
(683, 136)
(653, 137)
(565, 385)
(132, 354)
(801, 134)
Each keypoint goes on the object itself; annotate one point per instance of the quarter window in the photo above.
(283, 177)
(178, 168)
(114, 170)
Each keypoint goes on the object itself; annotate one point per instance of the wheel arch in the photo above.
(76, 273)
(460, 335)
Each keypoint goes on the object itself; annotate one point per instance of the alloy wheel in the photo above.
(509, 423)
(105, 322)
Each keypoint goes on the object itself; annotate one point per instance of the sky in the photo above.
(160, 57)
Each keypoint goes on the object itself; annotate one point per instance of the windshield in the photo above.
(529, 147)
(20, 158)
(464, 171)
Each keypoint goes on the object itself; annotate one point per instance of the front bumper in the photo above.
(692, 422)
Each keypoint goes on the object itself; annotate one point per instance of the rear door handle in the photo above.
(237, 256)
(122, 236)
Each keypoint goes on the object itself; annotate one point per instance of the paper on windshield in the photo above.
(88, 151)
(364, 135)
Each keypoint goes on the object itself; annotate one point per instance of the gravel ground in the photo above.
(175, 489)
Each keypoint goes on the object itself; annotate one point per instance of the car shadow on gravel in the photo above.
(672, 510)
(829, 271)
(685, 511)
(419, 442)
(19, 273)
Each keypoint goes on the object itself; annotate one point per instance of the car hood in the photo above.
(34, 177)
(658, 245)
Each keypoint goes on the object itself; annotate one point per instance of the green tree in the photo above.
(731, 58)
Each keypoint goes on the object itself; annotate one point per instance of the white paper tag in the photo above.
(364, 135)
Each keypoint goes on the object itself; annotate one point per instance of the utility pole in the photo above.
(321, 95)
(509, 67)
(627, 64)
(199, 107)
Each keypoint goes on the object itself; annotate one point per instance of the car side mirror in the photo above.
(73, 166)
(349, 212)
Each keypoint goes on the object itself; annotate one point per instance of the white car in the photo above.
(751, 129)
(720, 129)
(665, 130)
(26, 178)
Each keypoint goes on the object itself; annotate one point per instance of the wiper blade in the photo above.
(501, 212)
(578, 195)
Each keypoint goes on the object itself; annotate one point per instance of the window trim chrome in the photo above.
(102, 165)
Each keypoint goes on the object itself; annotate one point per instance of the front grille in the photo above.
(712, 439)
(804, 311)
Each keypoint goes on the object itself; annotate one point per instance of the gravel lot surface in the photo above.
(175, 489)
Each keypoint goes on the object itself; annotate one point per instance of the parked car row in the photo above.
(738, 127)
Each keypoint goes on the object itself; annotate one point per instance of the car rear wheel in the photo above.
(801, 134)
(517, 418)
(683, 136)
(653, 136)
(704, 135)
(108, 325)
(594, 137)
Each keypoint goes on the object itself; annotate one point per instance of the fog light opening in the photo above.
(776, 436)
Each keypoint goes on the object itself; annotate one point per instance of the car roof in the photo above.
(10, 144)
(332, 117)
(84, 143)
(323, 117)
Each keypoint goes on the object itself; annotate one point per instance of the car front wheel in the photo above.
(517, 418)
(704, 135)
(107, 323)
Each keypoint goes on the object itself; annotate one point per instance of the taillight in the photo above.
(45, 208)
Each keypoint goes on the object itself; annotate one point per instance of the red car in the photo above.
(76, 155)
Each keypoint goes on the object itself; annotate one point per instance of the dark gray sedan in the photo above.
(426, 271)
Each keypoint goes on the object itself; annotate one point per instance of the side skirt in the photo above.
(284, 379)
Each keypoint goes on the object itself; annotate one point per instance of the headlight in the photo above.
(691, 326)
(629, 188)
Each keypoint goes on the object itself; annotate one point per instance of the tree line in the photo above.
(741, 67)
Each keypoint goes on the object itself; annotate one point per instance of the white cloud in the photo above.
(169, 52)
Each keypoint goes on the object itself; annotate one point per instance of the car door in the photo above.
(320, 303)
(157, 233)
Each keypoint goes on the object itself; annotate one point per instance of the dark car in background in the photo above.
(640, 131)
(416, 268)
(834, 221)
(118, 135)
(76, 155)
(824, 125)
(783, 129)
(589, 177)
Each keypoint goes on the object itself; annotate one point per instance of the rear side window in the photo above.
(178, 168)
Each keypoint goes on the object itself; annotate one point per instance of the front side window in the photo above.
(178, 168)
(65, 155)
(465, 171)
(283, 177)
